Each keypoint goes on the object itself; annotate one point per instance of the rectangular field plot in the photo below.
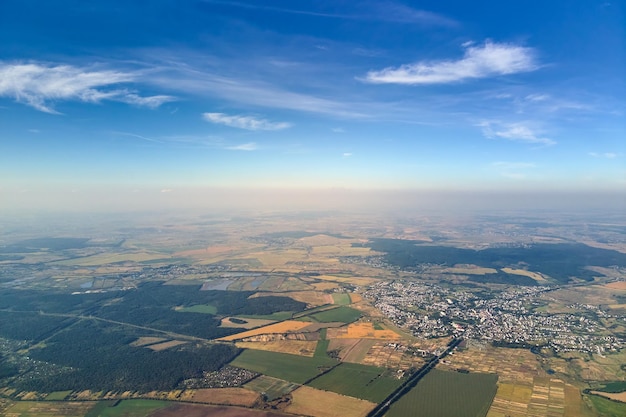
(342, 299)
(127, 408)
(444, 394)
(312, 402)
(49, 409)
(359, 381)
(272, 388)
(342, 314)
(292, 368)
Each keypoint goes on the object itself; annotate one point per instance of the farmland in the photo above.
(364, 330)
(312, 402)
(129, 408)
(343, 314)
(608, 408)
(225, 396)
(299, 304)
(48, 409)
(444, 394)
(272, 388)
(277, 328)
(292, 368)
(360, 381)
(293, 347)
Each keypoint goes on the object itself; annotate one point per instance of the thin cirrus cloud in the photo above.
(519, 132)
(244, 122)
(251, 146)
(607, 155)
(39, 85)
(480, 61)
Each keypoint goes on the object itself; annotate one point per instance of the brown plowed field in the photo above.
(226, 396)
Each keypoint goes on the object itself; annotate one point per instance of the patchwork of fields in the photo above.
(445, 394)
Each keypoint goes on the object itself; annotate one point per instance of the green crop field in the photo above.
(343, 314)
(200, 308)
(608, 408)
(279, 316)
(292, 368)
(322, 348)
(272, 388)
(360, 381)
(57, 395)
(444, 394)
(127, 408)
(342, 299)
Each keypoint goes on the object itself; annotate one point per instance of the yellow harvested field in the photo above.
(619, 285)
(225, 396)
(321, 286)
(313, 402)
(49, 408)
(340, 250)
(314, 327)
(363, 282)
(534, 275)
(293, 347)
(206, 252)
(142, 341)
(313, 298)
(250, 323)
(112, 258)
(166, 345)
(617, 306)
(288, 326)
(615, 396)
(470, 270)
(280, 257)
(363, 330)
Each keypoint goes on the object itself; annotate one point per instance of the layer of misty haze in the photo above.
(210, 200)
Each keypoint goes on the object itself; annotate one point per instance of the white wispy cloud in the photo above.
(39, 85)
(134, 135)
(481, 61)
(338, 130)
(244, 122)
(520, 132)
(537, 97)
(368, 10)
(149, 101)
(607, 155)
(347, 154)
(251, 146)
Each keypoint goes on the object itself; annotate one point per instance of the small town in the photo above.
(507, 317)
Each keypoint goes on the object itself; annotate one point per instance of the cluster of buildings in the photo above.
(511, 317)
(227, 376)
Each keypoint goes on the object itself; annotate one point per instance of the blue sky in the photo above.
(456, 95)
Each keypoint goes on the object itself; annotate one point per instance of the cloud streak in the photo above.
(251, 146)
(607, 155)
(40, 85)
(244, 122)
(376, 11)
(482, 61)
(518, 132)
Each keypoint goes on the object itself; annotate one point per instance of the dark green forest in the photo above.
(562, 261)
(88, 336)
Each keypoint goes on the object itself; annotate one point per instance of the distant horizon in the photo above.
(183, 199)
